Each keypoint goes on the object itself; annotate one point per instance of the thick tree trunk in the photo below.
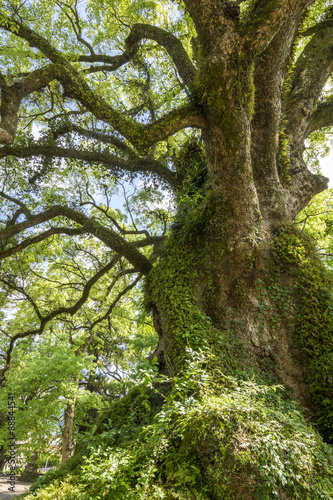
(232, 281)
(255, 186)
(227, 260)
(219, 287)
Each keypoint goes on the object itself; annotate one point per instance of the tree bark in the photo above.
(235, 277)
(67, 448)
(255, 186)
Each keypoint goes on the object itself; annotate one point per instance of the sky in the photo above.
(326, 165)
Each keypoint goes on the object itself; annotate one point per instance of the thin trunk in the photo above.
(67, 440)
(2, 457)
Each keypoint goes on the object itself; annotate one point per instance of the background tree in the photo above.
(79, 364)
(209, 103)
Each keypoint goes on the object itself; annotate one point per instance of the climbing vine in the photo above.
(313, 329)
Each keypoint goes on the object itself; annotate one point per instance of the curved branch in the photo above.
(23, 208)
(141, 136)
(320, 118)
(312, 69)
(171, 43)
(43, 236)
(95, 134)
(137, 164)
(112, 239)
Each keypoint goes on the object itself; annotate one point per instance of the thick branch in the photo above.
(320, 118)
(312, 69)
(328, 23)
(172, 44)
(141, 136)
(112, 239)
(270, 72)
(138, 164)
(303, 187)
(150, 240)
(36, 239)
(269, 17)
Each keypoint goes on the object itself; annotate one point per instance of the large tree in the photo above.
(210, 102)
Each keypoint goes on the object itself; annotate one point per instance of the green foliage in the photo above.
(295, 253)
(319, 146)
(316, 220)
(191, 217)
(58, 479)
(216, 436)
(62, 490)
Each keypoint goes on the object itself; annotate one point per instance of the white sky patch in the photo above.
(326, 165)
(36, 130)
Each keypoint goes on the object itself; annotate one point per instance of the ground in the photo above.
(20, 488)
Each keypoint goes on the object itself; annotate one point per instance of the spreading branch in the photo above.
(312, 70)
(320, 118)
(107, 235)
(37, 239)
(76, 87)
(139, 32)
(134, 164)
(76, 25)
(95, 134)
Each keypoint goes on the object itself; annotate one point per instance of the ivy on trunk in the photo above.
(237, 294)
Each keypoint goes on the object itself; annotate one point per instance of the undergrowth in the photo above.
(218, 433)
(215, 437)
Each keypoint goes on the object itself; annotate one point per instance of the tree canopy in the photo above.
(154, 157)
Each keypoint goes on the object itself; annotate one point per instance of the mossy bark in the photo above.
(218, 272)
(233, 280)
(224, 281)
